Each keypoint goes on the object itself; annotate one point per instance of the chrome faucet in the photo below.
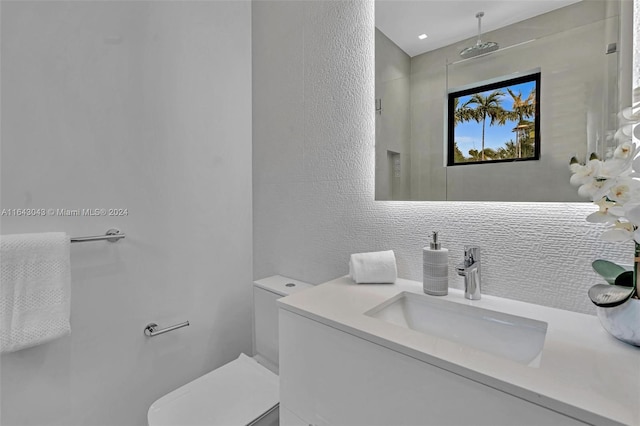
(470, 270)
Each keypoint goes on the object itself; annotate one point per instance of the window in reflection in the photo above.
(495, 122)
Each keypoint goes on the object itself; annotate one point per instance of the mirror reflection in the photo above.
(453, 116)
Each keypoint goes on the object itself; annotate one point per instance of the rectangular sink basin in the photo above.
(508, 336)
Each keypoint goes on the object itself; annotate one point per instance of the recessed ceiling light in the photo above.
(422, 36)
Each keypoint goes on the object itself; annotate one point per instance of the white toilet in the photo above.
(244, 391)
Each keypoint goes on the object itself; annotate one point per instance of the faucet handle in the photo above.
(471, 255)
(473, 277)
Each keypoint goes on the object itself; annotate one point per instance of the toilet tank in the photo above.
(265, 316)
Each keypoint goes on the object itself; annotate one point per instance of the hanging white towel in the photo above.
(35, 296)
(373, 267)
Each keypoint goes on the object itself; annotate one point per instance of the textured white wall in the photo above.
(145, 106)
(313, 174)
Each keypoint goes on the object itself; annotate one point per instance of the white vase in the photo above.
(622, 321)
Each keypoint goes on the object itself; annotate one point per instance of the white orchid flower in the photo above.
(603, 215)
(624, 190)
(624, 151)
(622, 163)
(620, 232)
(632, 213)
(584, 174)
(594, 189)
(614, 183)
(623, 155)
(624, 133)
(614, 167)
(630, 114)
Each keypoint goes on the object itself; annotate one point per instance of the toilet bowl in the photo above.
(244, 391)
(241, 392)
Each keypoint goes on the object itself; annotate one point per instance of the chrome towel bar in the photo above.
(112, 236)
(151, 329)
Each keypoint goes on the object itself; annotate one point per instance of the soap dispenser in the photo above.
(435, 268)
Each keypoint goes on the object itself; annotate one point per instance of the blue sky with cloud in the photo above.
(468, 134)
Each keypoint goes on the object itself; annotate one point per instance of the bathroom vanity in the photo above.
(387, 354)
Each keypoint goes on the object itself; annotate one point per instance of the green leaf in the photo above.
(608, 270)
(625, 279)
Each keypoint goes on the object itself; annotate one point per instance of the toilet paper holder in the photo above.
(152, 328)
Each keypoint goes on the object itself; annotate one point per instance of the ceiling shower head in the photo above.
(480, 48)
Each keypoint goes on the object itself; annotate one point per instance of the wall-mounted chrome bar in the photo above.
(112, 236)
(151, 329)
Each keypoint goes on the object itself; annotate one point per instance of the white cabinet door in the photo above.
(329, 377)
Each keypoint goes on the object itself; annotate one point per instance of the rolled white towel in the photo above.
(375, 267)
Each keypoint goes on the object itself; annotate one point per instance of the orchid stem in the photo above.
(636, 270)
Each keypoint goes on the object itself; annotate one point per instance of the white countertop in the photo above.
(584, 372)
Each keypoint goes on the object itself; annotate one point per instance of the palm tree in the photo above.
(487, 107)
(474, 155)
(490, 154)
(458, 156)
(461, 113)
(523, 109)
(508, 151)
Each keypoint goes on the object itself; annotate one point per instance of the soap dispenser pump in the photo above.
(435, 268)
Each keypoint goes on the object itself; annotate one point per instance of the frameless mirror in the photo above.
(500, 122)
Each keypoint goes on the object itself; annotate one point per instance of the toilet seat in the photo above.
(235, 394)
